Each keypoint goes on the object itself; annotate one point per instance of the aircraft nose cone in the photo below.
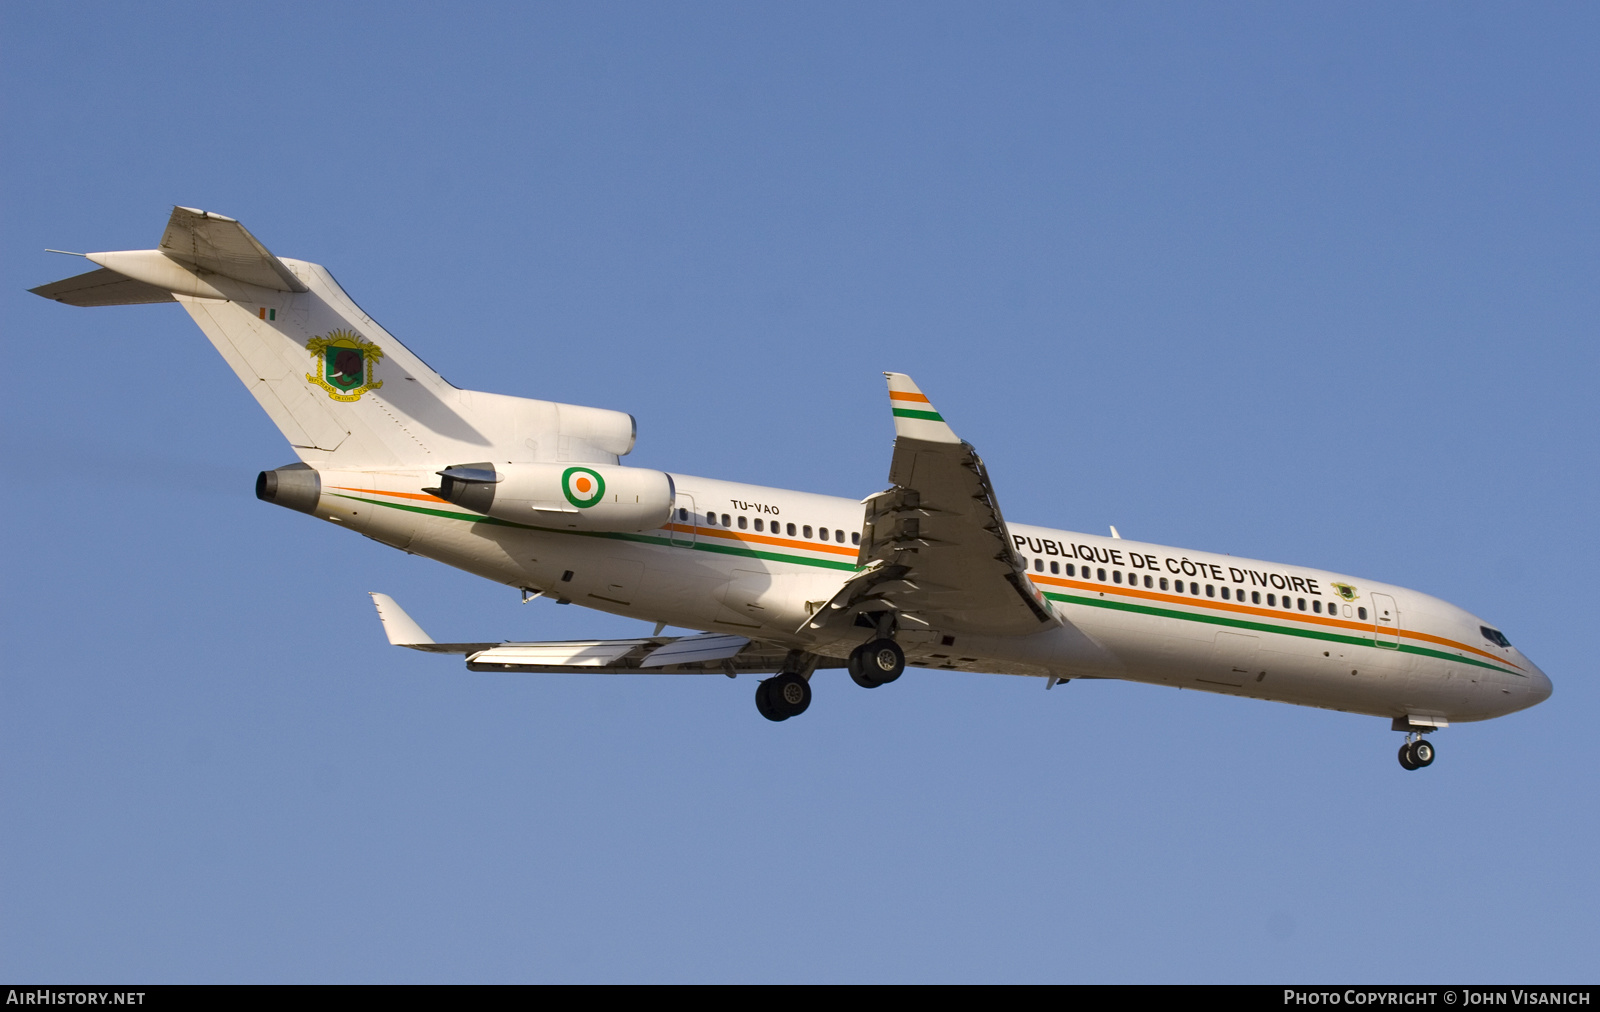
(1541, 688)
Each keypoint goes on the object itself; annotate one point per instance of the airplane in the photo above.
(778, 583)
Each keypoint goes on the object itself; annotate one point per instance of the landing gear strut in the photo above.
(876, 663)
(1416, 753)
(783, 696)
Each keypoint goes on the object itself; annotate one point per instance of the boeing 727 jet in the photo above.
(926, 572)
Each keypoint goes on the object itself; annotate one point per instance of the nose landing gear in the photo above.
(876, 663)
(1416, 753)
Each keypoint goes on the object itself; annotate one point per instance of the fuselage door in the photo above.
(1386, 620)
(680, 527)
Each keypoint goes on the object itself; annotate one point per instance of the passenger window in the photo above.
(683, 515)
(1055, 567)
(1272, 600)
(1224, 593)
(1100, 575)
(791, 530)
(1116, 576)
(758, 523)
(711, 520)
(1194, 588)
(1163, 583)
(838, 535)
(1149, 582)
(1211, 591)
(1361, 613)
(1316, 606)
(807, 530)
(1038, 565)
(743, 523)
(1255, 597)
(1072, 570)
(1301, 603)
(855, 537)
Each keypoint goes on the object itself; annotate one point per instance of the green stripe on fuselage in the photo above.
(1268, 627)
(646, 539)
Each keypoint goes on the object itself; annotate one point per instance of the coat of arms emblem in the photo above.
(1345, 591)
(345, 360)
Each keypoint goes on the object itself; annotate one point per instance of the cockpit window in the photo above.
(1494, 636)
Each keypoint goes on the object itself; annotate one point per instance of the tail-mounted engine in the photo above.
(583, 497)
(296, 486)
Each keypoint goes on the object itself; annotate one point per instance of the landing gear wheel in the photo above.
(882, 661)
(784, 696)
(857, 666)
(789, 694)
(1405, 757)
(1421, 753)
(764, 704)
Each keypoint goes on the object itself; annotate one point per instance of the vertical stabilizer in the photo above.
(342, 389)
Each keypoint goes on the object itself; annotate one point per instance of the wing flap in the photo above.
(569, 654)
(696, 650)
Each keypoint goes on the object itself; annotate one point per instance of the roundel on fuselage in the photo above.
(582, 486)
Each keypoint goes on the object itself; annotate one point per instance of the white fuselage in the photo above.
(758, 561)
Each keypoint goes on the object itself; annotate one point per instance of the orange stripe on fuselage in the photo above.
(400, 495)
(762, 539)
(1245, 609)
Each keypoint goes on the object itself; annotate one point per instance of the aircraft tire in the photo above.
(883, 661)
(857, 666)
(764, 702)
(1405, 757)
(1422, 753)
(788, 694)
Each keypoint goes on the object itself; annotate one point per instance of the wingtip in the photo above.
(915, 417)
(401, 629)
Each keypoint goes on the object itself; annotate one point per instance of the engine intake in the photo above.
(295, 486)
(582, 497)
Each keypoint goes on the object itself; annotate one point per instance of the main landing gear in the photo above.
(782, 696)
(788, 693)
(876, 663)
(1416, 753)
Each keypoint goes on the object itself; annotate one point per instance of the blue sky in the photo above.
(1306, 283)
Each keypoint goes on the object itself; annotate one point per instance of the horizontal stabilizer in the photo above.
(219, 244)
(104, 287)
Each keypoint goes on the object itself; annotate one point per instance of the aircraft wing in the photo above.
(703, 654)
(934, 547)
